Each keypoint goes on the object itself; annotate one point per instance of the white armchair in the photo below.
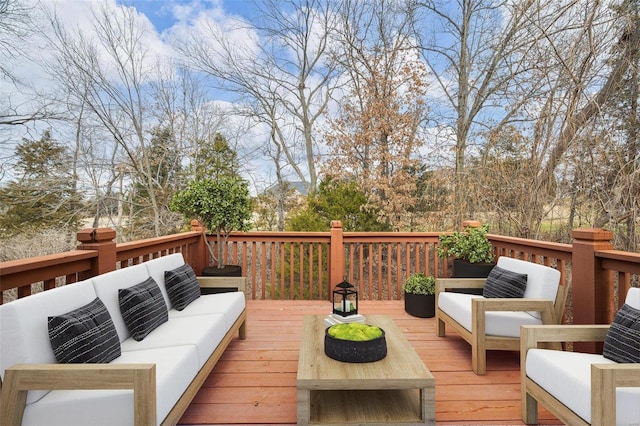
(494, 323)
(578, 388)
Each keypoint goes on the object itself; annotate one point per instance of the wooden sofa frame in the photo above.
(604, 377)
(551, 313)
(140, 377)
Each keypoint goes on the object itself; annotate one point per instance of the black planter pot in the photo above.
(420, 305)
(227, 271)
(464, 269)
(214, 271)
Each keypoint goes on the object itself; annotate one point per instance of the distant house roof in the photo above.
(298, 186)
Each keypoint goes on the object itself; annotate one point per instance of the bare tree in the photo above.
(470, 46)
(110, 73)
(280, 71)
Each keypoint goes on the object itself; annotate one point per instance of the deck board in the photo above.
(255, 380)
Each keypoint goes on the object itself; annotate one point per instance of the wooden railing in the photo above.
(303, 265)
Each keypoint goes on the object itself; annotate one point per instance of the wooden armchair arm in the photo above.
(481, 305)
(450, 283)
(532, 335)
(223, 282)
(20, 378)
(605, 378)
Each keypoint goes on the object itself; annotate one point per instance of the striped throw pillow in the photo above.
(84, 335)
(182, 286)
(622, 343)
(503, 283)
(143, 308)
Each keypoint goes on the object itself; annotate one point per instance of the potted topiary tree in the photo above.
(420, 295)
(471, 249)
(222, 205)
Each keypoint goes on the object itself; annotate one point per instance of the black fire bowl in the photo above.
(355, 351)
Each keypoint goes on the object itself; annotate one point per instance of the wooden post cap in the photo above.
(592, 234)
(95, 235)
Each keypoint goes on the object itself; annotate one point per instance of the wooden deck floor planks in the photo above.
(255, 381)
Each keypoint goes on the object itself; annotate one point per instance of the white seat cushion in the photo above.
(24, 336)
(176, 366)
(229, 304)
(205, 332)
(567, 376)
(497, 323)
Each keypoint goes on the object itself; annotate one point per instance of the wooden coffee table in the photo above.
(398, 389)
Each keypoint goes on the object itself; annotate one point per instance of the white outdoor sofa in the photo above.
(151, 382)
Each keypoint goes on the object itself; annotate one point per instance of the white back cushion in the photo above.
(107, 285)
(24, 337)
(542, 281)
(633, 297)
(157, 267)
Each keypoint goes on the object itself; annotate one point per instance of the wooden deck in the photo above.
(255, 381)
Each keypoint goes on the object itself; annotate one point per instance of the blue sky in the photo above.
(161, 12)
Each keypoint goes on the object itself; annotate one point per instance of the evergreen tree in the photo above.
(43, 194)
(215, 158)
(337, 200)
(164, 167)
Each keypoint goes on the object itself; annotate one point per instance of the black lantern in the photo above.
(345, 299)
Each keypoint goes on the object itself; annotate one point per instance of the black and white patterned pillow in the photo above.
(622, 343)
(182, 286)
(143, 308)
(503, 283)
(84, 335)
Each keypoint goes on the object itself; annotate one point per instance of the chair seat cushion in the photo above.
(498, 323)
(176, 366)
(567, 376)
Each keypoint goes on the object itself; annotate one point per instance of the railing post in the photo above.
(336, 260)
(198, 254)
(592, 285)
(101, 240)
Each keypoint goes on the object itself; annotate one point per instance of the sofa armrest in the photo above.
(223, 282)
(20, 378)
(605, 378)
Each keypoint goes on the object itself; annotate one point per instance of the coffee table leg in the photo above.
(428, 404)
(304, 406)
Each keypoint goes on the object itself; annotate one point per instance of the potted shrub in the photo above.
(222, 205)
(420, 295)
(471, 249)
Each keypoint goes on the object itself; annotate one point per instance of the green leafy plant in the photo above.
(221, 205)
(419, 283)
(471, 245)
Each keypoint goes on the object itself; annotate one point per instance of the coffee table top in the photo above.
(402, 368)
